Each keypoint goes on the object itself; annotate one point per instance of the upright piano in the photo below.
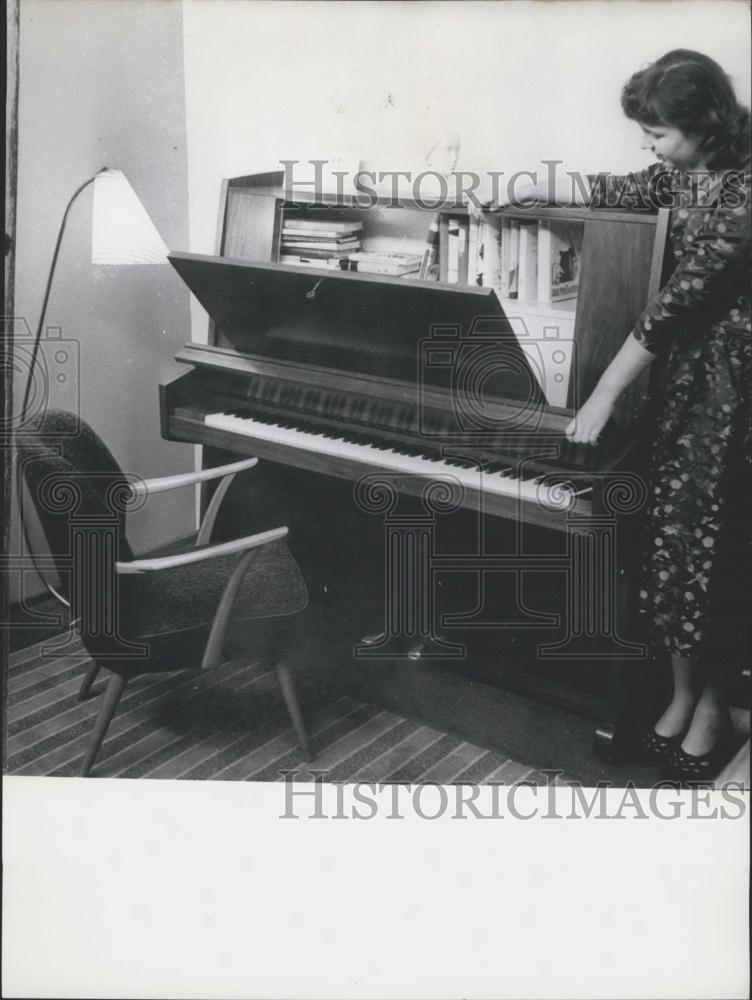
(385, 379)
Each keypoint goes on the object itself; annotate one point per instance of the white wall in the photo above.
(102, 84)
(520, 81)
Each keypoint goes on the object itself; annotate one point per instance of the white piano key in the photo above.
(388, 460)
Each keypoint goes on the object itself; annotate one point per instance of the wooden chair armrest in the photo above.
(199, 555)
(159, 485)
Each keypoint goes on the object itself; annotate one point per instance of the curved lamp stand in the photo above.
(45, 300)
(122, 233)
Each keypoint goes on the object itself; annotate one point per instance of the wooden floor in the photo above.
(397, 721)
(228, 725)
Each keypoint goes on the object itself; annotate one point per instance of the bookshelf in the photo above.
(254, 214)
(572, 281)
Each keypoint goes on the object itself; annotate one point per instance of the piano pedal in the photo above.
(414, 652)
(430, 648)
(435, 648)
(384, 646)
(373, 639)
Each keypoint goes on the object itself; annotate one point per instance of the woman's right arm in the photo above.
(631, 360)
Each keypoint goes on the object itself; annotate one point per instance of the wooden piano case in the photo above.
(507, 603)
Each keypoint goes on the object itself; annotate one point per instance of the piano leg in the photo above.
(432, 648)
(605, 743)
(614, 737)
(628, 688)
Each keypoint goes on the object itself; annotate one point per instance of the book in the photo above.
(474, 253)
(544, 261)
(323, 236)
(298, 260)
(462, 252)
(563, 250)
(375, 262)
(565, 290)
(492, 248)
(510, 257)
(321, 226)
(453, 251)
(305, 234)
(381, 267)
(332, 246)
(390, 256)
(527, 274)
(431, 252)
(316, 252)
(298, 235)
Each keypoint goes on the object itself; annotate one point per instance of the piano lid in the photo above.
(420, 332)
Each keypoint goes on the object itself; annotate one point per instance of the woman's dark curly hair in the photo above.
(689, 91)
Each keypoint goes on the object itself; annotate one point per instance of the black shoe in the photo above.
(689, 769)
(651, 748)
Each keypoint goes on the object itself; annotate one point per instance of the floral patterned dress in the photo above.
(697, 516)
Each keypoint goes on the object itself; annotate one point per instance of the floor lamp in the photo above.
(122, 233)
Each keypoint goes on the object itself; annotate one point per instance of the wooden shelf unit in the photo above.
(620, 267)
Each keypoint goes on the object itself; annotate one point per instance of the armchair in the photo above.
(158, 612)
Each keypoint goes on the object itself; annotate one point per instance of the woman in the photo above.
(700, 324)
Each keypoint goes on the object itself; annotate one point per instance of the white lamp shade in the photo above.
(121, 230)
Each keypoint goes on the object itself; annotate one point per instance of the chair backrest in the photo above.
(73, 481)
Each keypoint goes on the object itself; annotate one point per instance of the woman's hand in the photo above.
(631, 359)
(587, 424)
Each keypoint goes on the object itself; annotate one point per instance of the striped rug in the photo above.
(225, 725)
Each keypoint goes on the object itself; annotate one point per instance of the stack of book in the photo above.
(375, 262)
(318, 242)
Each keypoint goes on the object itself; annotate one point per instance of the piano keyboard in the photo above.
(551, 493)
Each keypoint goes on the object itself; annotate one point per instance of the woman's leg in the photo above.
(710, 720)
(688, 687)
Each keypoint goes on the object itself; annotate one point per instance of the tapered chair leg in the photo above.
(293, 707)
(89, 678)
(110, 701)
